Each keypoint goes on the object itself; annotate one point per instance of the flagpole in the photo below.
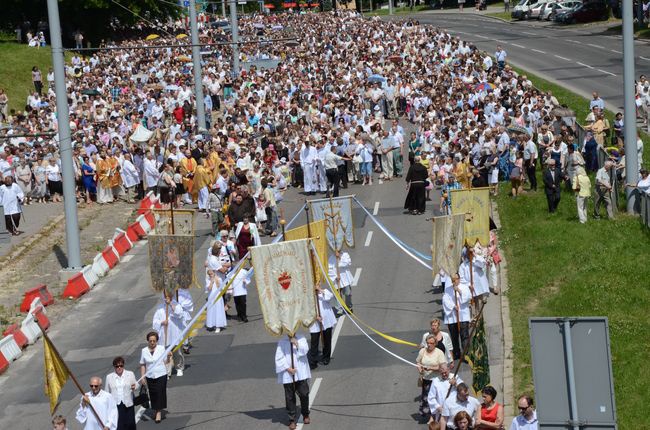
(283, 223)
(74, 379)
(311, 262)
(337, 254)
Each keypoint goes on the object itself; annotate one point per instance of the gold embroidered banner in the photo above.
(318, 236)
(475, 202)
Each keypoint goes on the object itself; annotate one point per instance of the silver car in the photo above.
(555, 7)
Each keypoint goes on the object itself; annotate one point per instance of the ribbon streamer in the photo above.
(396, 241)
(354, 319)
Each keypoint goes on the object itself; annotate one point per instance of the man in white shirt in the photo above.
(130, 177)
(11, 197)
(462, 401)
(455, 304)
(527, 418)
(150, 173)
(293, 374)
(102, 403)
(440, 387)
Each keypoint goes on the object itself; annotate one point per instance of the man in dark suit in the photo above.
(552, 180)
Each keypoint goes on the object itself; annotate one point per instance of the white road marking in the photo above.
(312, 395)
(368, 238)
(337, 332)
(126, 258)
(529, 33)
(518, 46)
(481, 36)
(615, 51)
(357, 274)
(375, 211)
(562, 58)
(584, 65)
(538, 51)
(574, 41)
(644, 58)
(595, 46)
(606, 72)
(139, 413)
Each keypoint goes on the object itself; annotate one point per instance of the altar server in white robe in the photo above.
(130, 177)
(480, 280)
(186, 301)
(11, 197)
(320, 165)
(456, 309)
(294, 375)
(103, 404)
(322, 329)
(169, 321)
(215, 314)
(239, 292)
(342, 278)
(308, 162)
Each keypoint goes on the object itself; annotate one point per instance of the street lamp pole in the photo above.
(234, 30)
(629, 128)
(196, 61)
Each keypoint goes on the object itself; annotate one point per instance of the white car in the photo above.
(536, 10)
(556, 7)
(522, 9)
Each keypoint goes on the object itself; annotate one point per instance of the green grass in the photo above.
(16, 70)
(398, 11)
(558, 267)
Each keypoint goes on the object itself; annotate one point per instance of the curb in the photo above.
(508, 397)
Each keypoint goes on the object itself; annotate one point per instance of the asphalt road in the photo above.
(230, 380)
(582, 59)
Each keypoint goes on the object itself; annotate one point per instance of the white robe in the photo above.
(10, 198)
(240, 283)
(283, 359)
(449, 299)
(176, 317)
(320, 166)
(326, 312)
(308, 160)
(187, 303)
(150, 173)
(104, 406)
(130, 175)
(344, 262)
(480, 277)
(216, 313)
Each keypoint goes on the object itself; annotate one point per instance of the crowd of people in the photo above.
(352, 101)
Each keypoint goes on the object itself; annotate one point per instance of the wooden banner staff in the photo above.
(337, 253)
(283, 223)
(74, 379)
(311, 262)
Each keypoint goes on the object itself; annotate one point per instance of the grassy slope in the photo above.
(558, 267)
(15, 70)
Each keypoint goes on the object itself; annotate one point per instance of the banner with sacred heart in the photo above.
(448, 241)
(285, 285)
(337, 212)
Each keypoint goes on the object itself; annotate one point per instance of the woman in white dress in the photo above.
(216, 313)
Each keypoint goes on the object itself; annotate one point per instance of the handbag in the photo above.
(434, 425)
(142, 398)
(420, 381)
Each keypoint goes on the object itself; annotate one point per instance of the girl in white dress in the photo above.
(216, 313)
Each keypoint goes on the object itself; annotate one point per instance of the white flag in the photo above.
(285, 285)
(338, 214)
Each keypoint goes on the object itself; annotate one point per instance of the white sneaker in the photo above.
(217, 330)
(179, 372)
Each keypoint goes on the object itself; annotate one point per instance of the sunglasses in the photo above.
(523, 408)
(118, 365)
(94, 386)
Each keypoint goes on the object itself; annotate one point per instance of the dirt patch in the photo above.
(550, 290)
(40, 261)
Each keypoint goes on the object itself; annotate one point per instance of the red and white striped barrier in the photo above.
(39, 291)
(29, 326)
(121, 242)
(19, 336)
(135, 232)
(146, 203)
(100, 266)
(4, 364)
(77, 286)
(110, 255)
(9, 348)
(146, 223)
(38, 311)
(91, 277)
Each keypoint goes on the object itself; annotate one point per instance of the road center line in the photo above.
(126, 258)
(337, 332)
(606, 72)
(375, 211)
(644, 58)
(595, 46)
(538, 51)
(518, 46)
(574, 41)
(368, 238)
(357, 274)
(615, 51)
(481, 36)
(584, 65)
(529, 33)
(562, 58)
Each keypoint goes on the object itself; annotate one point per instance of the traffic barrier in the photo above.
(9, 348)
(4, 364)
(30, 329)
(19, 336)
(110, 255)
(135, 232)
(145, 226)
(146, 203)
(39, 291)
(90, 276)
(100, 266)
(77, 287)
(38, 312)
(121, 242)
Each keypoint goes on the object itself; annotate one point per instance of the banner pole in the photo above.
(311, 262)
(283, 223)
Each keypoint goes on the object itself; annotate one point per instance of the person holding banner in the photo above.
(215, 314)
(456, 308)
(239, 292)
(169, 321)
(102, 404)
(322, 328)
(292, 368)
(153, 371)
(342, 277)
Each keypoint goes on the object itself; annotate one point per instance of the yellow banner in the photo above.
(318, 236)
(476, 203)
(56, 374)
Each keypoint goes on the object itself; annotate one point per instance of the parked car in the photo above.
(586, 12)
(536, 10)
(522, 9)
(556, 7)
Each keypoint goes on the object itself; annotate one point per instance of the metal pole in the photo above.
(65, 139)
(390, 7)
(196, 60)
(629, 129)
(223, 9)
(568, 354)
(234, 30)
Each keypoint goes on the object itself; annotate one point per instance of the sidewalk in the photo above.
(35, 217)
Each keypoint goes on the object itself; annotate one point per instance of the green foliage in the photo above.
(559, 267)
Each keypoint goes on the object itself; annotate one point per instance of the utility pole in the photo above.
(223, 9)
(629, 127)
(390, 7)
(196, 61)
(65, 144)
(234, 30)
